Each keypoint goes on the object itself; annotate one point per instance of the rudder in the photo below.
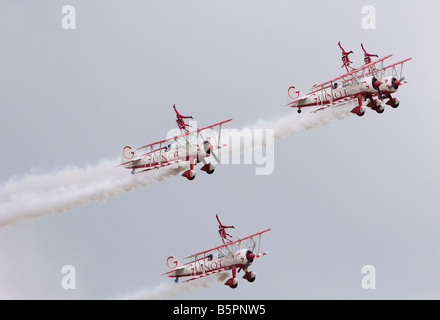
(171, 264)
(127, 154)
(293, 94)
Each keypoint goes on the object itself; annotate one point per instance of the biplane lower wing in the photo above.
(261, 254)
(133, 162)
(164, 164)
(208, 273)
(296, 101)
(339, 103)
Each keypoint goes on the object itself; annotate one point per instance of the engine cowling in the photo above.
(371, 85)
(244, 256)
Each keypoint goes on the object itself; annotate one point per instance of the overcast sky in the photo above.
(354, 192)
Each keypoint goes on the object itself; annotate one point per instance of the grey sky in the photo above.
(357, 191)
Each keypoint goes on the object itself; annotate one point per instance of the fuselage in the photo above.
(366, 87)
(168, 154)
(209, 264)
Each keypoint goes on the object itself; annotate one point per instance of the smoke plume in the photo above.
(36, 195)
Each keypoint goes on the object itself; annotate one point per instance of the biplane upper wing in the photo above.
(184, 134)
(382, 71)
(227, 244)
(352, 72)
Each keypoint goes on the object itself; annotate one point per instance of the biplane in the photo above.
(234, 255)
(190, 146)
(367, 86)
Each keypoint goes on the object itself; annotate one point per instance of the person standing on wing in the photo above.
(182, 125)
(221, 230)
(345, 60)
(367, 56)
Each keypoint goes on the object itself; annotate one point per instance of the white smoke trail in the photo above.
(167, 290)
(290, 124)
(294, 122)
(44, 194)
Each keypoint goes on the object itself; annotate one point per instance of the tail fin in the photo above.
(172, 264)
(293, 94)
(127, 154)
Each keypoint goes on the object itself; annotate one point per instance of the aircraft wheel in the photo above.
(299, 110)
(252, 279)
(380, 111)
(234, 286)
(361, 114)
(192, 178)
(395, 105)
(210, 172)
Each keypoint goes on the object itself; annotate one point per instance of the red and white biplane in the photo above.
(368, 86)
(190, 146)
(234, 255)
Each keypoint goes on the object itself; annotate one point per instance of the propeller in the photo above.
(250, 257)
(395, 83)
(376, 85)
(209, 150)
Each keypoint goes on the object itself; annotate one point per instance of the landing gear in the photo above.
(133, 171)
(250, 276)
(191, 173)
(232, 282)
(299, 110)
(209, 168)
(395, 103)
(360, 109)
